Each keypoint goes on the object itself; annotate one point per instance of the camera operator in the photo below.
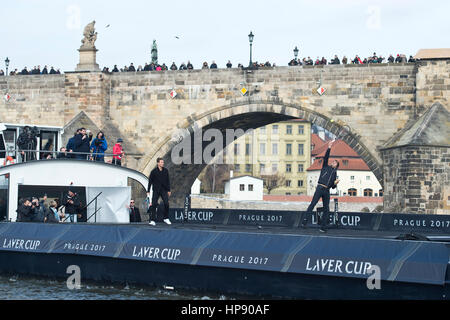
(25, 211)
(27, 140)
(98, 147)
(72, 205)
(81, 143)
(39, 209)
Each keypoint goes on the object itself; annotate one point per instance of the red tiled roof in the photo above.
(344, 164)
(304, 198)
(339, 149)
(317, 142)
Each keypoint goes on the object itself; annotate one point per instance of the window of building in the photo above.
(288, 149)
(262, 149)
(242, 187)
(288, 167)
(380, 192)
(236, 149)
(300, 183)
(274, 148)
(262, 130)
(300, 167)
(288, 193)
(273, 183)
(247, 149)
(345, 162)
(301, 129)
(352, 178)
(275, 129)
(288, 129)
(274, 167)
(351, 192)
(248, 167)
(288, 183)
(250, 187)
(368, 192)
(300, 149)
(237, 167)
(367, 178)
(262, 168)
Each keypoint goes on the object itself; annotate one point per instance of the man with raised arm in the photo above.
(327, 179)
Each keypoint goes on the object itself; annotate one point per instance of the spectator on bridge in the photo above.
(189, 65)
(164, 67)
(335, 60)
(344, 60)
(293, 62)
(135, 215)
(2, 73)
(115, 68)
(213, 65)
(24, 71)
(139, 69)
(131, 68)
(158, 68)
(398, 59)
(81, 144)
(98, 147)
(391, 59)
(317, 62)
(411, 59)
(45, 70)
(205, 65)
(183, 66)
(52, 71)
(173, 66)
(229, 65)
(323, 61)
(357, 60)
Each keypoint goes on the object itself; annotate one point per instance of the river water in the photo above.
(19, 287)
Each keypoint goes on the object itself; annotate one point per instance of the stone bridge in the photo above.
(376, 101)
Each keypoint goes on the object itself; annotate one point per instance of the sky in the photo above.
(49, 32)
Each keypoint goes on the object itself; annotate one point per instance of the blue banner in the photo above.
(405, 261)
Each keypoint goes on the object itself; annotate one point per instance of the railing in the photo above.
(29, 155)
(85, 207)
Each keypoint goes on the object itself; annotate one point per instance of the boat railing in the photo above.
(24, 155)
(96, 209)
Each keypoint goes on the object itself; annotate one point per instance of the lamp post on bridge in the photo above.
(250, 39)
(7, 65)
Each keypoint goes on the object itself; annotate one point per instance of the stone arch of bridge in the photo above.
(244, 114)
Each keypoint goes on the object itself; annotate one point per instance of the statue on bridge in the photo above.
(90, 36)
(154, 53)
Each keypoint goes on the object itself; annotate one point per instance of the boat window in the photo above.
(10, 136)
(48, 143)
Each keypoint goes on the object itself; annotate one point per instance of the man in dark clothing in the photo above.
(190, 66)
(45, 71)
(70, 144)
(25, 212)
(213, 65)
(135, 215)
(173, 66)
(327, 179)
(229, 64)
(27, 141)
(81, 143)
(159, 179)
(52, 71)
(72, 205)
(39, 209)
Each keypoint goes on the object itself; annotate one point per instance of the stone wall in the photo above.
(433, 84)
(200, 201)
(417, 179)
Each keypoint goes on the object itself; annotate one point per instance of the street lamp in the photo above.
(7, 65)
(295, 53)
(250, 39)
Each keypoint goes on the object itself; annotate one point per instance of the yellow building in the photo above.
(279, 153)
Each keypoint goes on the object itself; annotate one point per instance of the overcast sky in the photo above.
(50, 31)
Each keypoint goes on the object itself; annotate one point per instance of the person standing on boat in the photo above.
(81, 144)
(159, 179)
(327, 179)
(72, 205)
(118, 153)
(135, 215)
(98, 147)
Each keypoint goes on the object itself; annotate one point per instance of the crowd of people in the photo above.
(82, 146)
(35, 70)
(400, 58)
